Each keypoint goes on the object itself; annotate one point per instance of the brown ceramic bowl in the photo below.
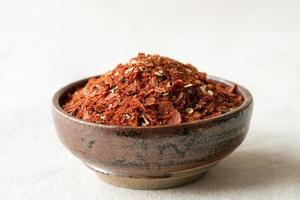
(152, 157)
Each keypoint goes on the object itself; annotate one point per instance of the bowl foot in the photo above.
(148, 183)
(155, 183)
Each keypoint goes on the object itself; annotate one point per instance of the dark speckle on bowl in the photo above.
(90, 144)
(131, 133)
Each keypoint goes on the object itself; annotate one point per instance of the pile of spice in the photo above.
(151, 90)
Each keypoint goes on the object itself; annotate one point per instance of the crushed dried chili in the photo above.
(151, 90)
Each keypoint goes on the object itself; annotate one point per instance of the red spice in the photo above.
(151, 90)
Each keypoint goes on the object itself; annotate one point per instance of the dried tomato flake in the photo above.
(152, 90)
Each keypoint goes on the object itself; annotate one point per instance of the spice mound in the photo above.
(151, 90)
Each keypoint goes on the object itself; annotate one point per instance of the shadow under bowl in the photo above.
(154, 157)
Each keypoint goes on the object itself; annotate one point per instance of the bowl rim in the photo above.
(248, 101)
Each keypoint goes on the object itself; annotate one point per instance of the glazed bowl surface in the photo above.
(152, 157)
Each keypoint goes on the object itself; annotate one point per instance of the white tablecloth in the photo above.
(47, 44)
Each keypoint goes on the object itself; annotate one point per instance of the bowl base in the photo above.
(148, 184)
(155, 183)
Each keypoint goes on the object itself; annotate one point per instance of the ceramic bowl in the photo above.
(152, 157)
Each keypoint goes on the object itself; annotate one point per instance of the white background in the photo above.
(47, 44)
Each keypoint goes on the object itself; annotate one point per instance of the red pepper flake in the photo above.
(149, 101)
(152, 90)
(175, 117)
